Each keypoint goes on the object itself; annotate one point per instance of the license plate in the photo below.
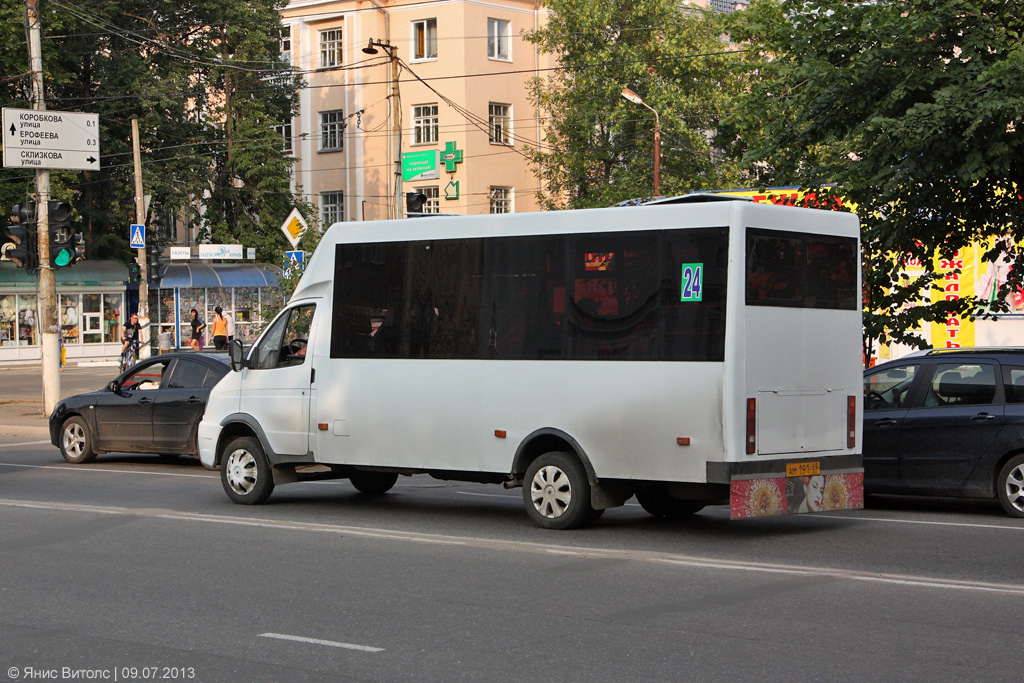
(803, 469)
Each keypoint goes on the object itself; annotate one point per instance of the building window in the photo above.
(501, 199)
(424, 39)
(330, 48)
(332, 129)
(433, 203)
(332, 208)
(424, 124)
(498, 41)
(499, 120)
(286, 46)
(285, 131)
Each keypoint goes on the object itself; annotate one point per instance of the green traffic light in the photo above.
(63, 257)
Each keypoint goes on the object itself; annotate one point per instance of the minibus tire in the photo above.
(373, 483)
(655, 499)
(556, 492)
(245, 472)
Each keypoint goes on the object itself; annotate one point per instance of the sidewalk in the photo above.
(23, 418)
(21, 389)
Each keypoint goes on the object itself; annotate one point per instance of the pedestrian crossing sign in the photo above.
(137, 236)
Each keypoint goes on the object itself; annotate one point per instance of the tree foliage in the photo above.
(914, 108)
(205, 83)
(598, 147)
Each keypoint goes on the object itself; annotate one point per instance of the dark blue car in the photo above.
(947, 422)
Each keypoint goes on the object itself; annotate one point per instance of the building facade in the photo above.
(459, 113)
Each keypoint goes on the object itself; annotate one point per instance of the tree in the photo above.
(913, 107)
(201, 78)
(597, 150)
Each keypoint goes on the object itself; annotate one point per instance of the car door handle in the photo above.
(981, 417)
(193, 399)
(887, 422)
(144, 400)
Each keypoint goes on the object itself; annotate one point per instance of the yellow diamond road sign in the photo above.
(293, 227)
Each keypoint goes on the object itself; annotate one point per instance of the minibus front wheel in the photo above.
(245, 471)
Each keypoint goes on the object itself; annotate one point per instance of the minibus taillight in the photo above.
(751, 425)
(851, 421)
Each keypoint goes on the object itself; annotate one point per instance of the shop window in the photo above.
(112, 305)
(8, 320)
(69, 316)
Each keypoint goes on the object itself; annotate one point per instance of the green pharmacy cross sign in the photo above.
(451, 156)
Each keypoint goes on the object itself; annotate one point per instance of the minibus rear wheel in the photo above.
(655, 499)
(245, 471)
(373, 483)
(556, 492)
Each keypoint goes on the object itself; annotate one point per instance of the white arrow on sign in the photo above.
(51, 139)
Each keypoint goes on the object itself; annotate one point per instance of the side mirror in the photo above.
(112, 386)
(236, 352)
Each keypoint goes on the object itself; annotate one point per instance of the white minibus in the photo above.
(705, 350)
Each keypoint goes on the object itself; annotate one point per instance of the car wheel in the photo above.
(373, 483)
(1010, 486)
(75, 441)
(245, 471)
(556, 492)
(656, 500)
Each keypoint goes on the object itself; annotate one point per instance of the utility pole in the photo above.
(396, 140)
(395, 194)
(48, 323)
(140, 256)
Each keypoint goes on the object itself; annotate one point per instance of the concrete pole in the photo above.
(48, 323)
(140, 257)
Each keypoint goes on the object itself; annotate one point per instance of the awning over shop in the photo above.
(82, 274)
(219, 275)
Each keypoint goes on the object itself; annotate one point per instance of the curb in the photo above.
(10, 430)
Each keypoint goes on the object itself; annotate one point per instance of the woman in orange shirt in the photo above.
(220, 330)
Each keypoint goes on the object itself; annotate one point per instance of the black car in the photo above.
(154, 407)
(949, 423)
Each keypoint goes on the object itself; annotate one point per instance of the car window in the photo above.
(146, 378)
(187, 374)
(961, 384)
(887, 389)
(285, 342)
(214, 376)
(1013, 384)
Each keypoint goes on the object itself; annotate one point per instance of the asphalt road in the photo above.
(136, 562)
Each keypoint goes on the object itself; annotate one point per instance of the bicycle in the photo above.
(130, 356)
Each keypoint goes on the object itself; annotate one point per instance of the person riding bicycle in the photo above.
(131, 334)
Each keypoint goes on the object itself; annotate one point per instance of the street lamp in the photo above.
(395, 198)
(635, 99)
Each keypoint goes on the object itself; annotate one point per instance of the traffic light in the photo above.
(25, 252)
(134, 272)
(66, 247)
(153, 264)
(414, 202)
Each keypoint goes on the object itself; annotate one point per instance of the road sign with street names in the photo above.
(51, 139)
(137, 236)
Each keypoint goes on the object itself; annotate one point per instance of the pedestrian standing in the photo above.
(220, 329)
